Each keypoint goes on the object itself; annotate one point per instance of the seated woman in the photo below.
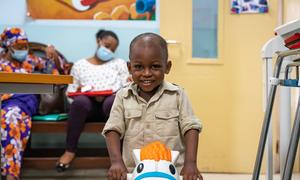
(99, 72)
(17, 109)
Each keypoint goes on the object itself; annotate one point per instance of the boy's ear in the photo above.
(168, 68)
(129, 67)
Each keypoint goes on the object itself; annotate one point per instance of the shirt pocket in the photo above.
(133, 121)
(167, 122)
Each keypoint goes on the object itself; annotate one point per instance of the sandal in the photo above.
(60, 167)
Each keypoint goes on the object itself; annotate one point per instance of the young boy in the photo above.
(151, 109)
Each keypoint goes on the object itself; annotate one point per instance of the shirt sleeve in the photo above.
(116, 118)
(123, 73)
(76, 82)
(188, 120)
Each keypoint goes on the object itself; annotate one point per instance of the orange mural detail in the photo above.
(87, 9)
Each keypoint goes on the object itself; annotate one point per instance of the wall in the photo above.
(291, 10)
(244, 37)
(226, 96)
(75, 39)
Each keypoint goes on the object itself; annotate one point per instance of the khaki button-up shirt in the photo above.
(166, 117)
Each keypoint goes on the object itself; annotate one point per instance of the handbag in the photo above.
(54, 103)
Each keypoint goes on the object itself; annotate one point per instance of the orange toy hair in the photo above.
(155, 151)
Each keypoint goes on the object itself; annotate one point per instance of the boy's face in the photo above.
(147, 66)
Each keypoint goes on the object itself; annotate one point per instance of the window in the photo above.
(205, 29)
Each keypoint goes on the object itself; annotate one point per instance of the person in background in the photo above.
(100, 72)
(18, 109)
(151, 109)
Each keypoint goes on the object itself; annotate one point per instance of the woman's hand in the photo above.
(53, 56)
(51, 52)
(117, 171)
(190, 171)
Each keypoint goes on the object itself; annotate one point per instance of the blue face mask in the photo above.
(19, 55)
(104, 54)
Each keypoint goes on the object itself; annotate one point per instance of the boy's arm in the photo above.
(118, 169)
(190, 170)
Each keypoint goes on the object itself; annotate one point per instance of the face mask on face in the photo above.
(19, 55)
(104, 54)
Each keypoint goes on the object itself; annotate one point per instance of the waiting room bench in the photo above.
(46, 158)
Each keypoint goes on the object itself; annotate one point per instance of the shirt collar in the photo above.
(165, 86)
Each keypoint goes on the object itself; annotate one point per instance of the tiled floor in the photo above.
(101, 174)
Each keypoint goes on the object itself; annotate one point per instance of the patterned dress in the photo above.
(16, 113)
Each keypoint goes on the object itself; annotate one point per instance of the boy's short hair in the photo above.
(162, 42)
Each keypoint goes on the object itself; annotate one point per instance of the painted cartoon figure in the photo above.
(81, 5)
(156, 162)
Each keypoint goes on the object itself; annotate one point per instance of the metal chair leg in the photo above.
(264, 133)
(267, 117)
(293, 145)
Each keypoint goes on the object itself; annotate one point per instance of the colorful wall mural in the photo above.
(92, 9)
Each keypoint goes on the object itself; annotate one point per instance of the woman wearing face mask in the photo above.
(17, 109)
(100, 72)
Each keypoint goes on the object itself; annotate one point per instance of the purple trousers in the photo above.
(84, 109)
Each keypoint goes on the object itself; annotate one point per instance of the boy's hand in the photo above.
(117, 171)
(190, 171)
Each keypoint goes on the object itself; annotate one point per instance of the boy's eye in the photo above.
(156, 66)
(137, 66)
